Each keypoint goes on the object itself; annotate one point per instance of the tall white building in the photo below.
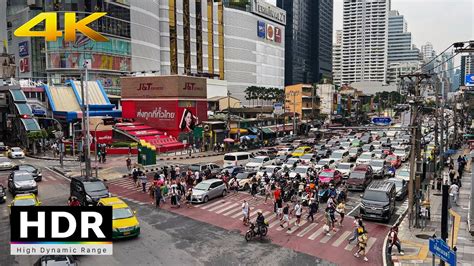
(427, 51)
(364, 40)
(337, 59)
(403, 56)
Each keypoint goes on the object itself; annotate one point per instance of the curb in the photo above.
(394, 260)
(50, 158)
(188, 157)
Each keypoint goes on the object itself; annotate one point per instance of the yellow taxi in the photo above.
(25, 200)
(300, 151)
(124, 222)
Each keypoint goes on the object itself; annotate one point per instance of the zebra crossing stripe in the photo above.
(237, 215)
(292, 221)
(341, 239)
(215, 208)
(307, 229)
(370, 243)
(316, 234)
(228, 207)
(277, 221)
(253, 213)
(269, 218)
(209, 205)
(349, 247)
(294, 228)
(232, 211)
(326, 238)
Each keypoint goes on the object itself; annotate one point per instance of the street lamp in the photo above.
(96, 148)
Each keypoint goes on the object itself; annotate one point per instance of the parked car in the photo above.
(330, 175)
(345, 169)
(57, 260)
(255, 163)
(88, 190)
(6, 164)
(354, 153)
(20, 182)
(365, 157)
(359, 180)
(302, 170)
(378, 201)
(208, 189)
(401, 187)
(393, 160)
(403, 174)
(245, 179)
(214, 168)
(379, 154)
(124, 221)
(378, 166)
(16, 153)
(38, 176)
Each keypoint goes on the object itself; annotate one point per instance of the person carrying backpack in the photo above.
(362, 243)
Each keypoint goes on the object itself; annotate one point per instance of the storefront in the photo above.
(172, 104)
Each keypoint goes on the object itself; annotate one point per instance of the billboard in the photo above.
(269, 11)
(163, 87)
(261, 29)
(469, 81)
(270, 32)
(277, 34)
(23, 49)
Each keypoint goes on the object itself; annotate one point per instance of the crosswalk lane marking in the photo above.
(265, 213)
(292, 221)
(232, 211)
(226, 208)
(238, 214)
(209, 205)
(307, 229)
(272, 224)
(370, 243)
(224, 204)
(326, 238)
(341, 239)
(294, 228)
(316, 234)
(351, 246)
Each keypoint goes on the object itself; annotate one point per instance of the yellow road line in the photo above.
(422, 253)
(457, 222)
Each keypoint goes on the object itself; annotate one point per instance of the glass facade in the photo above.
(308, 40)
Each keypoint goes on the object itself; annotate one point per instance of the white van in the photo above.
(236, 158)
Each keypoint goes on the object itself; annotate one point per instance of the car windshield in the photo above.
(357, 175)
(307, 156)
(121, 213)
(345, 144)
(323, 162)
(195, 167)
(299, 151)
(326, 174)
(399, 151)
(344, 166)
(94, 186)
(242, 175)
(366, 156)
(403, 173)
(301, 170)
(27, 168)
(292, 161)
(398, 183)
(337, 155)
(229, 158)
(353, 151)
(23, 177)
(377, 163)
(25, 202)
(16, 149)
(256, 160)
(375, 195)
(204, 186)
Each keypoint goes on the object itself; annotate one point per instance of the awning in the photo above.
(30, 124)
(236, 131)
(267, 131)
(253, 130)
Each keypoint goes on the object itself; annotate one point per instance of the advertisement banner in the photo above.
(270, 32)
(163, 87)
(261, 29)
(469, 82)
(24, 65)
(103, 136)
(277, 35)
(23, 49)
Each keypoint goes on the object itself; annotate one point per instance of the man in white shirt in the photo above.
(454, 192)
(297, 208)
(245, 212)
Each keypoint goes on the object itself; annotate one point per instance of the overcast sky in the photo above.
(440, 22)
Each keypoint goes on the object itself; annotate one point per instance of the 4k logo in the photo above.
(51, 32)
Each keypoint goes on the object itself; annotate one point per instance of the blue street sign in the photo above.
(382, 121)
(469, 81)
(439, 248)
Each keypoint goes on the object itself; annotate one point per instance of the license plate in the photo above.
(126, 233)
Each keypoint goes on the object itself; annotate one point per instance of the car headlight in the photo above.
(386, 208)
(88, 198)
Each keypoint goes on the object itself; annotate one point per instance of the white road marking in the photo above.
(217, 207)
(341, 238)
(370, 243)
(294, 228)
(228, 207)
(307, 229)
(316, 234)
(209, 205)
(292, 221)
(355, 208)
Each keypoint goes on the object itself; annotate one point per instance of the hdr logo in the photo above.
(61, 230)
(50, 32)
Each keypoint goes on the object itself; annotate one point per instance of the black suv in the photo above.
(22, 182)
(378, 201)
(88, 191)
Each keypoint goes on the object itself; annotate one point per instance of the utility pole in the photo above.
(436, 131)
(86, 133)
(228, 112)
(294, 93)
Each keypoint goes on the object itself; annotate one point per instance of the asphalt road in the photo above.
(166, 239)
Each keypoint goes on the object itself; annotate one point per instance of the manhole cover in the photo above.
(423, 236)
(437, 194)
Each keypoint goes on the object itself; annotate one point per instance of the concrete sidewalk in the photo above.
(415, 240)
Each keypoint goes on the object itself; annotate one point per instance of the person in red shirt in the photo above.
(73, 201)
(277, 193)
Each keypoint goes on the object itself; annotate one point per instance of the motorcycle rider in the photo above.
(259, 222)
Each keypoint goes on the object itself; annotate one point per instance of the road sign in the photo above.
(278, 109)
(382, 121)
(469, 81)
(439, 248)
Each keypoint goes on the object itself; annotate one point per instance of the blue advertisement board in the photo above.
(23, 49)
(469, 81)
(261, 29)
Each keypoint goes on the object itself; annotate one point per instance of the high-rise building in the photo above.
(467, 67)
(364, 40)
(337, 59)
(403, 56)
(427, 52)
(308, 53)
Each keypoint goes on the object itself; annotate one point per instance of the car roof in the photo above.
(115, 202)
(210, 181)
(21, 172)
(83, 179)
(328, 170)
(380, 185)
(261, 157)
(24, 196)
(378, 160)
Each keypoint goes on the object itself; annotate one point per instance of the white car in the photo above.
(290, 162)
(257, 162)
(285, 151)
(269, 169)
(403, 153)
(339, 156)
(345, 146)
(16, 153)
(302, 170)
(345, 169)
(308, 158)
(403, 173)
(320, 165)
(378, 167)
(365, 158)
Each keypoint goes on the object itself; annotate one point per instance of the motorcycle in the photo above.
(253, 231)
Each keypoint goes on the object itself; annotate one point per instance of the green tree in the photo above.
(33, 137)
